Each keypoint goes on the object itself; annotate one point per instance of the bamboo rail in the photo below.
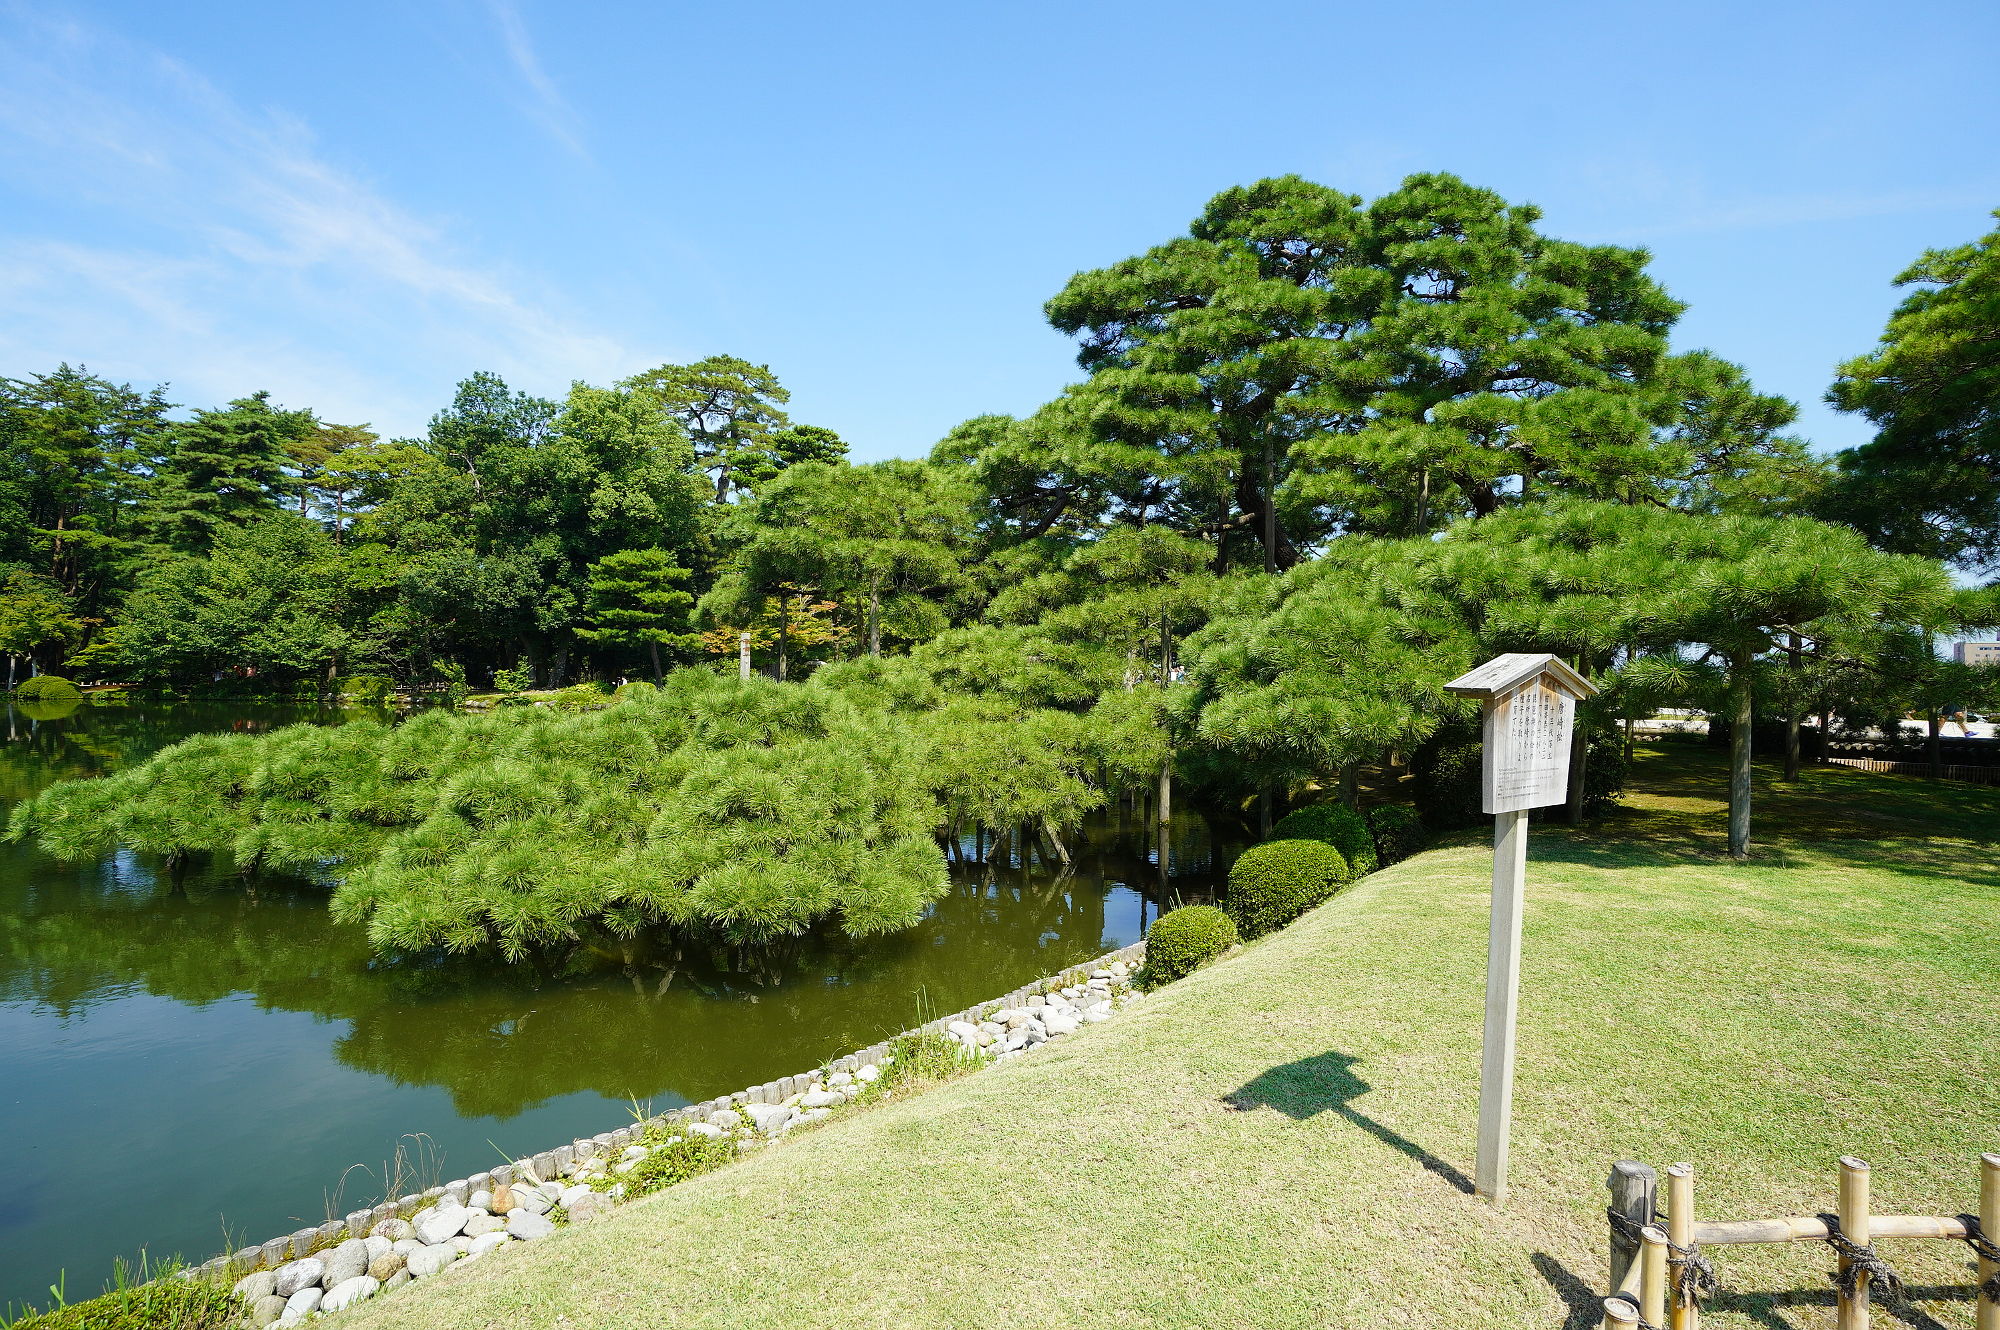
(1650, 1261)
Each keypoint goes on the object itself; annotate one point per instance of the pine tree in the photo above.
(636, 599)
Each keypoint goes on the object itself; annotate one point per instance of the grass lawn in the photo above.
(1284, 1138)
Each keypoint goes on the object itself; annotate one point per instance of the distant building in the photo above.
(1976, 653)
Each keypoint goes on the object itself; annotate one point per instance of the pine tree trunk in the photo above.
(659, 676)
(1055, 841)
(1264, 814)
(1792, 747)
(1934, 750)
(874, 619)
(1743, 713)
(1579, 758)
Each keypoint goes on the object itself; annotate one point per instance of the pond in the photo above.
(191, 1061)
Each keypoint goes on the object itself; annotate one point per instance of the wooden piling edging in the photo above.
(1989, 1220)
(1682, 1314)
(1854, 1190)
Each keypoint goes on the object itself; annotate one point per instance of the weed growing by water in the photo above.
(671, 1157)
(141, 1295)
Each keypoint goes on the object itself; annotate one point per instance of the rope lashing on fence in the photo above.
(1690, 1275)
(1982, 1246)
(1861, 1260)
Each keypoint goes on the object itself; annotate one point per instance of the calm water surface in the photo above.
(193, 1061)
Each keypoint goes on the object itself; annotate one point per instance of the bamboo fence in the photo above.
(1659, 1274)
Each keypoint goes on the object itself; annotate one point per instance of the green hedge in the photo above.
(48, 688)
(634, 688)
(1182, 940)
(1398, 832)
(168, 1304)
(1274, 883)
(1337, 825)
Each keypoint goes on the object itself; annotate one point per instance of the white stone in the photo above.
(841, 1078)
(487, 1242)
(303, 1302)
(406, 1245)
(480, 1200)
(705, 1129)
(348, 1292)
(429, 1260)
(815, 1114)
(533, 1200)
(297, 1276)
(460, 1244)
(344, 1262)
(482, 1223)
(571, 1195)
(1097, 1015)
(726, 1118)
(377, 1248)
(441, 1224)
(820, 1099)
(527, 1227)
(771, 1119)
(867, 1073)
(256, 1285)
(633, 1152)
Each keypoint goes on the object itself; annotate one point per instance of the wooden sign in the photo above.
(1530, 712)
(1530, 702)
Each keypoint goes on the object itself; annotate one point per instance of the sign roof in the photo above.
(1503, 674)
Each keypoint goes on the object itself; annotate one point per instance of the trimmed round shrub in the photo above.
(1182, 940)
(580, 697)
(1398, 832)
(48, 688)
(635, 688)
(1337, 825)
(1274, 883)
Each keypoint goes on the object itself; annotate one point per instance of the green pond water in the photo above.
(191, 1061)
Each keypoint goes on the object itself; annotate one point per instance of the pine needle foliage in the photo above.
(750, 809)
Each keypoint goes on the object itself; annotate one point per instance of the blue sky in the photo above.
(355, 205)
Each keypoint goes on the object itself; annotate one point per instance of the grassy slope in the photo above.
(1281, 1140)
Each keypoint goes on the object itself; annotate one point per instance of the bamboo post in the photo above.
(1633, 1188)
(1853, 1312)
(1653, 1275)
(1989, 1220)
(1680, 1230)
(1618, 1315)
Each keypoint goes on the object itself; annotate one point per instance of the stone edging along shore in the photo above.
(339, 1263)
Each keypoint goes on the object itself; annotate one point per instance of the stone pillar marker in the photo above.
(1530, 701)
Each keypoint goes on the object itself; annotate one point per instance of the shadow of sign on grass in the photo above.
(1326, 1083)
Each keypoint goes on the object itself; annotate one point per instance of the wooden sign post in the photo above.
(1530, 702)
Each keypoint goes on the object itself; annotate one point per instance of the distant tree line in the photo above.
(1324, 452)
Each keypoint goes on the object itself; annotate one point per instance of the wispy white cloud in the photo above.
(550, 109)
(155, 228)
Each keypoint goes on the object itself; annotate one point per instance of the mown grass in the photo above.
(1283, 1139)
